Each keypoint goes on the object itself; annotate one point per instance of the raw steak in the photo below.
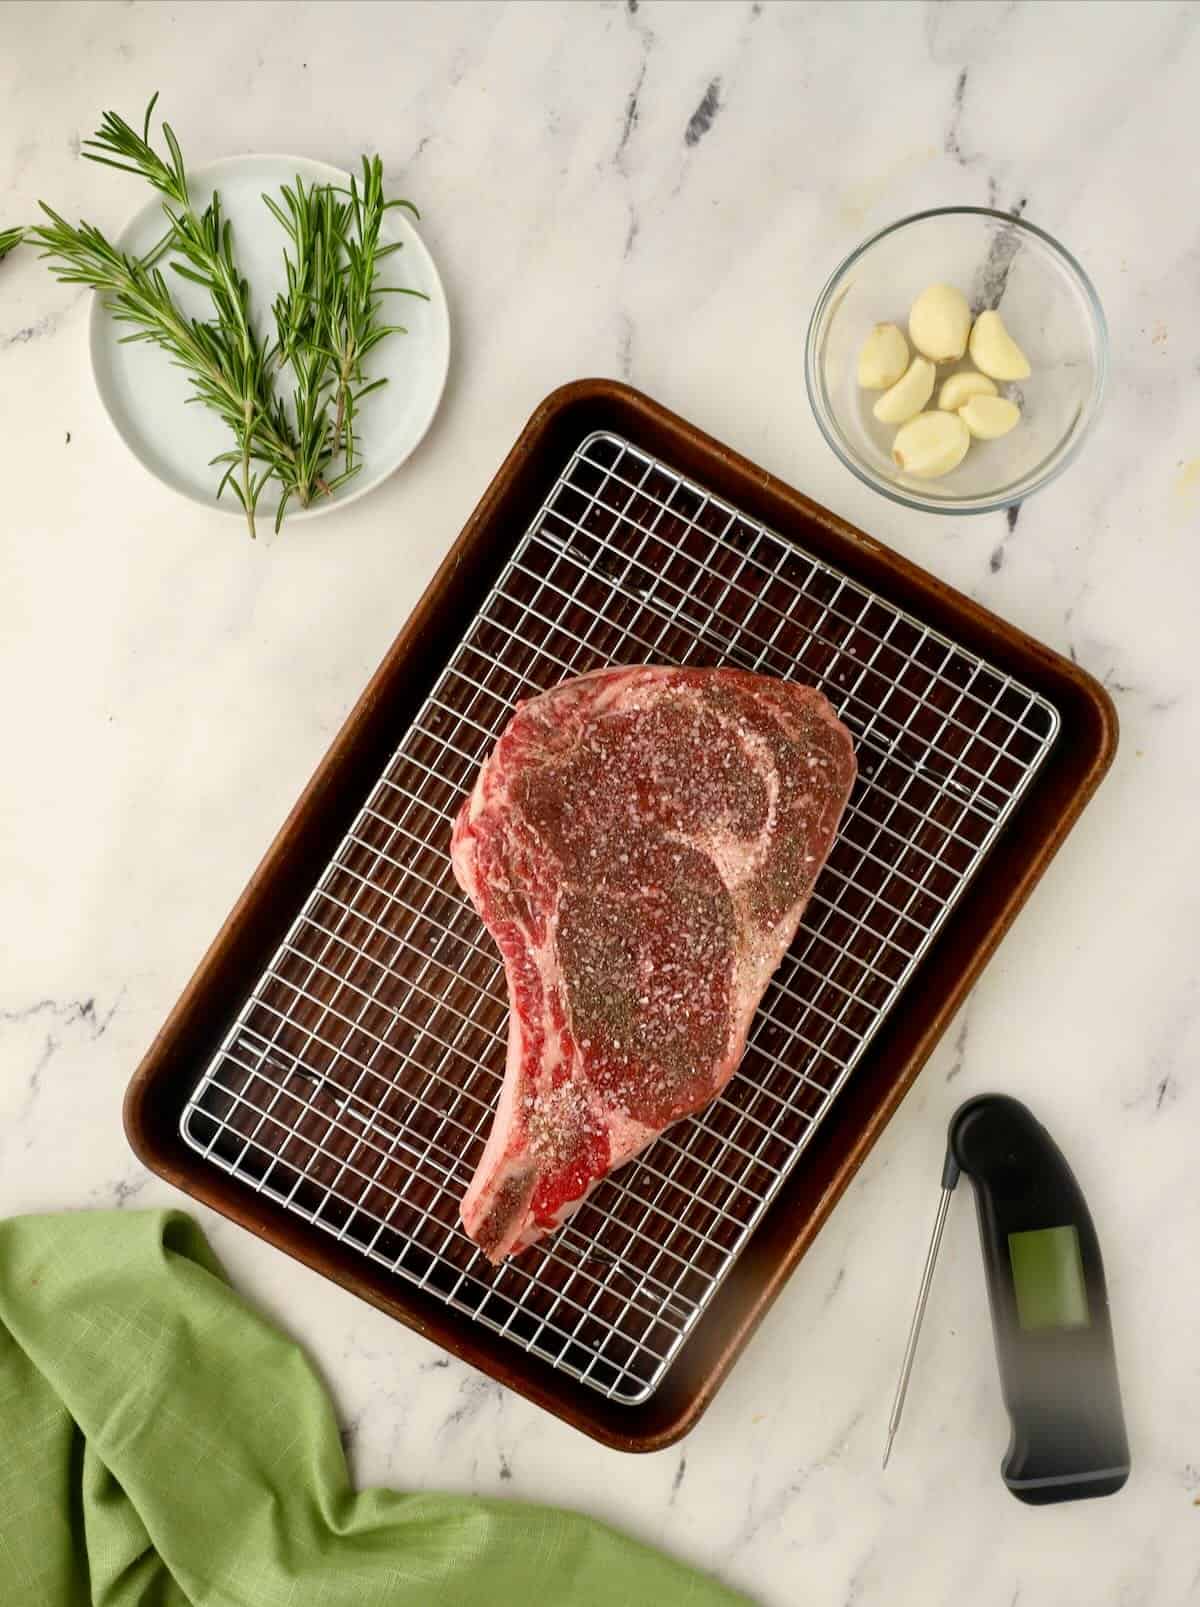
(641, 844)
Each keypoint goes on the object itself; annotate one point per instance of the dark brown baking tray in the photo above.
(680, 492)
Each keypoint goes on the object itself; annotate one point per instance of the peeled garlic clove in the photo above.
(908, 395)
(994, 351)
(931, 445)
(940, 322)
(958, 390)
(989, 416)
(883, 358)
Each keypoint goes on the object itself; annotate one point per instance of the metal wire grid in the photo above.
(357, 1085)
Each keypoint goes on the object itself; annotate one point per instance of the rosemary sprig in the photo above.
(326, 322)
(204, 242)
(352, 328)
(207, 352)
(313, 221)
(332, 301)
(9, 238)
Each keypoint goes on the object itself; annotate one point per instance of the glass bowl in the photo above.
(1049, 307)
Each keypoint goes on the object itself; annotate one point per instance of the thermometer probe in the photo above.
(1049, 1303)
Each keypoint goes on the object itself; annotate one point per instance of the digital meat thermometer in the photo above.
(1058, 1371)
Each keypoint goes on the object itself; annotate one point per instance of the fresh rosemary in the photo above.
(332, 301)
(217, 363)
(8, 239)
(352, 326)
(325, 323)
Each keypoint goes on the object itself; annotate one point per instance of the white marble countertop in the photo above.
(655, 191)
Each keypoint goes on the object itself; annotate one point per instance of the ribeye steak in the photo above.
(641, 844)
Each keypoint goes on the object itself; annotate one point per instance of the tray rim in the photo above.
(781, 1239)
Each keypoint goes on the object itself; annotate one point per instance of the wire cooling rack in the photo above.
(357, 1085)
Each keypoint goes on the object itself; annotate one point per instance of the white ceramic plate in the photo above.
(145, 396)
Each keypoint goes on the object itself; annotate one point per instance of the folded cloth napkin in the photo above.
(163, 1446)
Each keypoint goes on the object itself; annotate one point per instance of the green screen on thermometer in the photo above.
(1048, 1278)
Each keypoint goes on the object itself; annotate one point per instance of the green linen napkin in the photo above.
(163, 1446)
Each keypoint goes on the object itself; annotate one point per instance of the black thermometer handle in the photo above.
(1045, 1278)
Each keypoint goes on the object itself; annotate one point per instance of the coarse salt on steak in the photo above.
(641, 843)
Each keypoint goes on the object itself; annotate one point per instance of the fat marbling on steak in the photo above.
(641, 844)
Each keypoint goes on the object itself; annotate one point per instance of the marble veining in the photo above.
(653, 190)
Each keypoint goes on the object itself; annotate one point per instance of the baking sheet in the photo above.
(356, 1086)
